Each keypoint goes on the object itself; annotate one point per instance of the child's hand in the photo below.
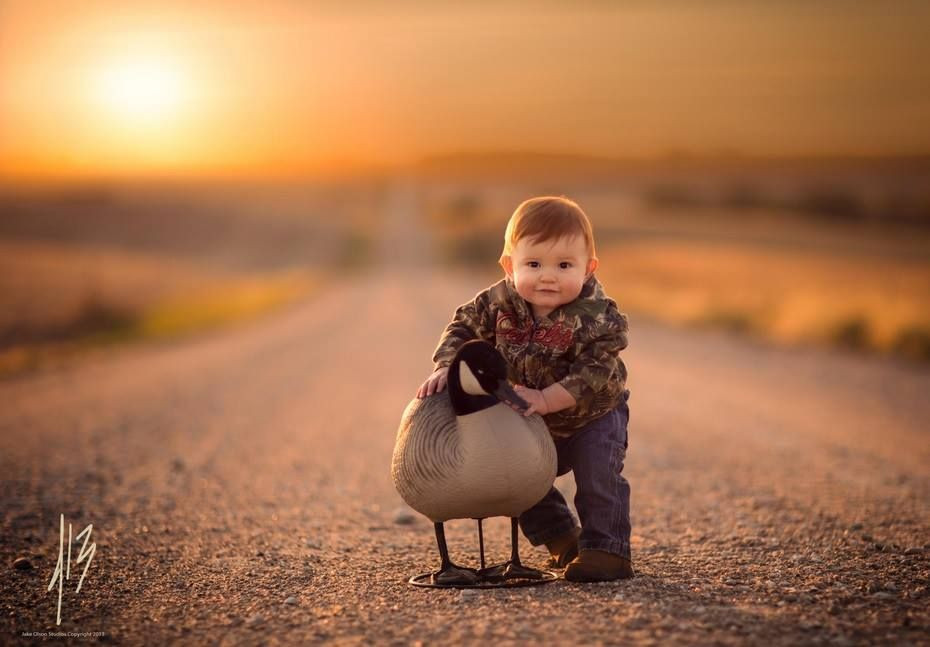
(534, 398)
(434, 383)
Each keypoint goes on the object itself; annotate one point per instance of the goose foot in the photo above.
(453, 575)
(510, 571)
(449, 574)
(514, 571)
(493, 573)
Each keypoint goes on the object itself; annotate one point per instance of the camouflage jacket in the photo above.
(577, 345)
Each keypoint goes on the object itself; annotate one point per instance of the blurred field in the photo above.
(789, 296)
(802, 258)
(81, 267)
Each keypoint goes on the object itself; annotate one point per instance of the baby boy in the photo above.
(561, 335)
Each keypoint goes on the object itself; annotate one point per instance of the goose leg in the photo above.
(448, 572)
(481, 543)
(514, 567)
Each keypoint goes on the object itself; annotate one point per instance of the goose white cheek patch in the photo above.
(469, 382)
(504, 393)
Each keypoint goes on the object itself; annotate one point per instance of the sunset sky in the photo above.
(125, 88)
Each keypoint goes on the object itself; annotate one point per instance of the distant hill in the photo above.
(841, 189)
(539, 165)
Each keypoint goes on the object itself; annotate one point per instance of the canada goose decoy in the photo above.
(464, 453)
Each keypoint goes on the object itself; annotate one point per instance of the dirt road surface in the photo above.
(239, 488)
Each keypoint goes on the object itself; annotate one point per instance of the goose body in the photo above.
(493, 462)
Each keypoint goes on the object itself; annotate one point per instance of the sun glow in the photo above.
(146, 92)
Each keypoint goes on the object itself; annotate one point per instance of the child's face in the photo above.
(551, 273)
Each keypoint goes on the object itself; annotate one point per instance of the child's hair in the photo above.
(548, 218)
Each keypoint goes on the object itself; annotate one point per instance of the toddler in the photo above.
(561, 335)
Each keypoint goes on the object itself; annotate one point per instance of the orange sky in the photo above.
(125, 87)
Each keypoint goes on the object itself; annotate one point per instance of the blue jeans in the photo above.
(595, 454)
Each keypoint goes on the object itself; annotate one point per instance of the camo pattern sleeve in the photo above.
(597, 376)
(472, 320)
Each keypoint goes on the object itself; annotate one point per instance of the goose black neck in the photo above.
(465, 403)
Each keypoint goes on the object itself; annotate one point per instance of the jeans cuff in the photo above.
(615, 547)
(550, 533)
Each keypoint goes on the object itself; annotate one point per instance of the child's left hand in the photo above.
(534, 398)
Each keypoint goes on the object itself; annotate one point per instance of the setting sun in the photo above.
(141, 92)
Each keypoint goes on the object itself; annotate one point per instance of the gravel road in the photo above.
(239, 489)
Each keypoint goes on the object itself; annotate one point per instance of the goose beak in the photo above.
(505, 393)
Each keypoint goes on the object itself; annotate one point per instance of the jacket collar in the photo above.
(592, 292)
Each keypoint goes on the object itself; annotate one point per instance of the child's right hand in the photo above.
(434, 383)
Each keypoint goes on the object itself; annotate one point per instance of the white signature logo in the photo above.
(83, 554)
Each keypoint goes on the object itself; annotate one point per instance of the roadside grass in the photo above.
(783, 295)
(224, 304)
(100, 323)
(60, 300)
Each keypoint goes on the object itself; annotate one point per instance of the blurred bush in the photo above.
(479, 248)
(356, 251)
(94, 316)
(913, 342)
(463, 209)
(830, 202)
(852, 333)
(674, 196)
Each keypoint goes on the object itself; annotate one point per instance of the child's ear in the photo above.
(507, 263)
(592, 266)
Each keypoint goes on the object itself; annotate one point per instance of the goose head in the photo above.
(478, 379)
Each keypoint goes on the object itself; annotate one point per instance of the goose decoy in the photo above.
(464, 453)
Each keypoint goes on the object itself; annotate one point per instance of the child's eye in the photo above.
(533, 263)
(565, 265)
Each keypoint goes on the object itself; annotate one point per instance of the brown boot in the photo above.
(563, 549)
(598, 566)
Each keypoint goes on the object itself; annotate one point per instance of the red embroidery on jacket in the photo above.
(557, 336)
(507, 329)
